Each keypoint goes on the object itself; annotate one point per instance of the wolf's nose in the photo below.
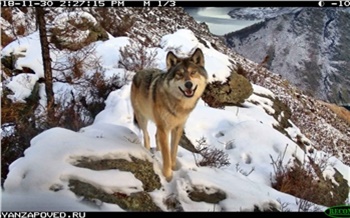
(188, 84)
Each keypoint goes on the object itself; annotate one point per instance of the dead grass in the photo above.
(5, 39)
(341, 112)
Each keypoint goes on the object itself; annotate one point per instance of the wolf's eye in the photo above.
(193, 72)
(179, 74)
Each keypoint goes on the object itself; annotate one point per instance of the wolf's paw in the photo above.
(168, 174)
(175, 165)
(168, 179)
(153, 150)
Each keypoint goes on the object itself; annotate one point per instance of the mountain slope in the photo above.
(260, 13)
(309, 48)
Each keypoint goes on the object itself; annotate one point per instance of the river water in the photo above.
(218, 20)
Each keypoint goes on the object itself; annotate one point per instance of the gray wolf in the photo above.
(167, 99)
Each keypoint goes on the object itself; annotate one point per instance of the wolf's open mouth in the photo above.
(188, 92)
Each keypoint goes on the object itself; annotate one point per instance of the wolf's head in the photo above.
(187, 77)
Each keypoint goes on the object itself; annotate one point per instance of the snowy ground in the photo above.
(245, 134)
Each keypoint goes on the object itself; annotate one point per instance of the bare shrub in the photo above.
(212, 157)
(306, 182)
(306, 206)
(17, 129)
(98, 88)
(284, 206)
(136, 57)
(77, 68)
(17, 26)
(15, 138)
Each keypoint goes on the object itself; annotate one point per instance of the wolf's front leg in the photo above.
(162, 137)
(175, 138)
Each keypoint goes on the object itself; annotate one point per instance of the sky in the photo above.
(245, 134)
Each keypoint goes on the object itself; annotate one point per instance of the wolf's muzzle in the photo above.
(188, 92)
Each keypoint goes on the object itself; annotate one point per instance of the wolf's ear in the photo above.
(171, 60)
(198, 57)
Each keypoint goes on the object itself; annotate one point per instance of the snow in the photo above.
(112, 46)
(62, 19)
(245, 134)
(22, 85)
(217, 64)
(28, 51)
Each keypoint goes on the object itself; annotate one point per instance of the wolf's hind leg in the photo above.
(146, 139)
(175, 138)
(158, 147)
(142, 123)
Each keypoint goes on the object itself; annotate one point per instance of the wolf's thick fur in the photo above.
(167, 98)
